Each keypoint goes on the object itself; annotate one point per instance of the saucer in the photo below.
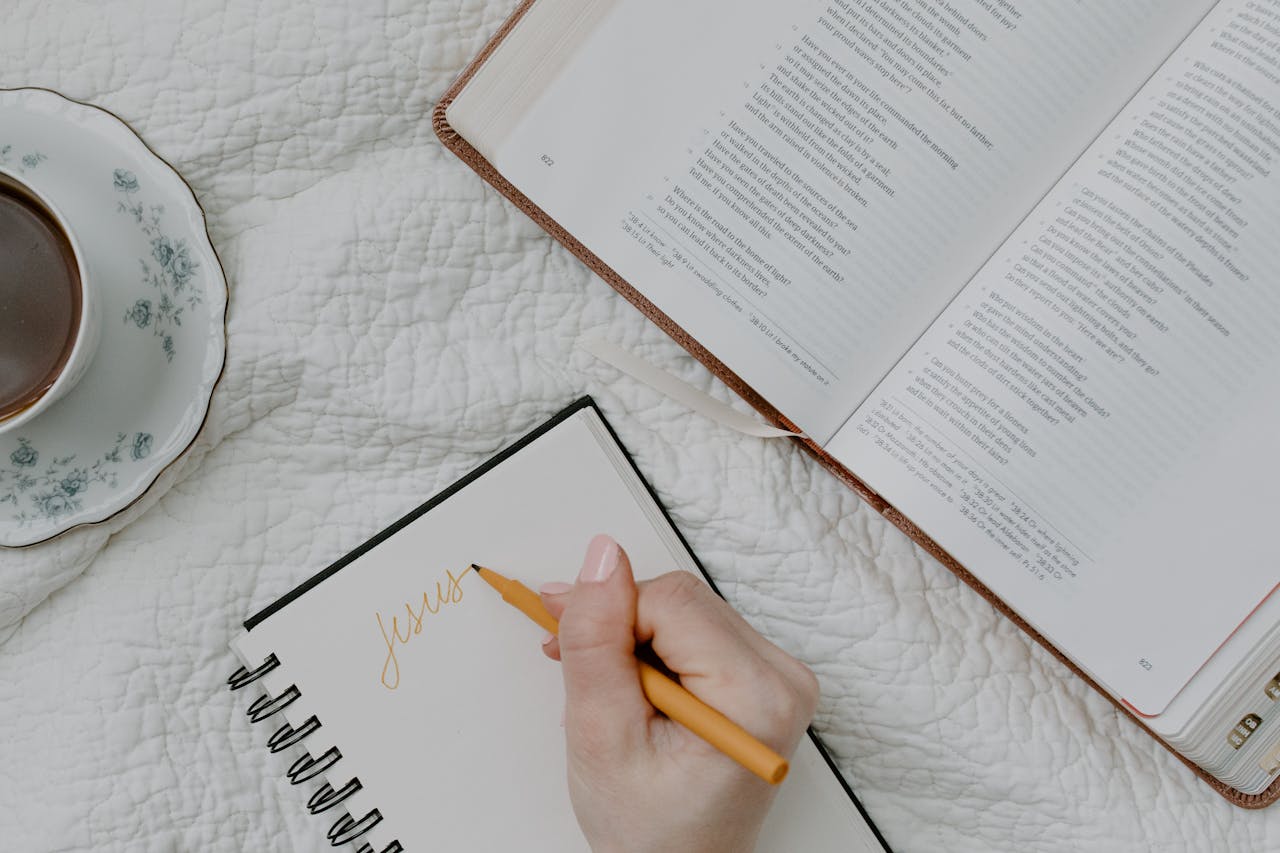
(164, 293)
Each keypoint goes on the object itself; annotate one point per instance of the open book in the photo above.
(425, 706)
(1010, 266)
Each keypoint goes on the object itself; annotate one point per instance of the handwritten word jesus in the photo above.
(446, 593)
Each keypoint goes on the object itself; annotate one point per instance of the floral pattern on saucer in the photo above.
(146, 394)
(59, 486)
(170, 278)
(29, 160)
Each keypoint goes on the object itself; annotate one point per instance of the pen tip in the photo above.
(490, 577)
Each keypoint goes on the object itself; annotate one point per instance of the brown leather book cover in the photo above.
(469, 155)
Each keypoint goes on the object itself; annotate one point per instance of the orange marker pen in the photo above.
(662, 692)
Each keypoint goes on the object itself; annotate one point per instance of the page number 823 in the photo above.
(547, 161)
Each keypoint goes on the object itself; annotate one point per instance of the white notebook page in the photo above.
(474, 714)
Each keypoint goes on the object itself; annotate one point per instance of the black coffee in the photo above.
(39, 299)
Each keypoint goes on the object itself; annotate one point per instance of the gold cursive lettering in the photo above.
(447, 592)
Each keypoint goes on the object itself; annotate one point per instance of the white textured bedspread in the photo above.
(392, 323)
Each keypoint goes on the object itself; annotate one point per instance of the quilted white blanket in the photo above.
(392, 323)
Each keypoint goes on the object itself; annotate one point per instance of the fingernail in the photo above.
(548, 638)
(601, 560)
(555, 588)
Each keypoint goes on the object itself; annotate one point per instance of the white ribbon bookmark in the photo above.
(680, 391)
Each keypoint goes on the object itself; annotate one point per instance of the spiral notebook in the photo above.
(421, 711)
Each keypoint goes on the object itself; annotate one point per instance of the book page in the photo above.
(436, 691)
(802, 186)
(1091, 425)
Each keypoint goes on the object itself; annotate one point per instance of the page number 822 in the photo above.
(1145, 664)
(546, 159)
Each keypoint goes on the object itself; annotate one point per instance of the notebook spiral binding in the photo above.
(345, 829)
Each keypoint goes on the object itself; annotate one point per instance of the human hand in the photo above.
(639, 782)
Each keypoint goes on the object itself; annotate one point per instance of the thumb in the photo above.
(605, 710)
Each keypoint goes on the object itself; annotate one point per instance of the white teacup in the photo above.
(46, 342)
